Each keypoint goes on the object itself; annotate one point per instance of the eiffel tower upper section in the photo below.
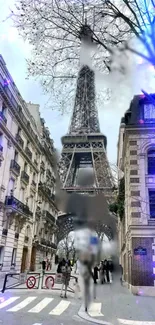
(85, 146)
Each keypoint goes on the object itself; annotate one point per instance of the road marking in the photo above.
(95, 309)
(8, 302)
(41, 305)
(22, 304)
(134, 322)
(37, 324)
(60, 308)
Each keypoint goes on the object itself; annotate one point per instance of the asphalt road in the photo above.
(114, 304)
(38, 308)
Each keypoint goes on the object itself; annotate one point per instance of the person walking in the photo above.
(43, 266)
(96, 274)
(110, 268)
(101, 272)
(66, 273)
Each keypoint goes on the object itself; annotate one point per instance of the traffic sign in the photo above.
(30, 282)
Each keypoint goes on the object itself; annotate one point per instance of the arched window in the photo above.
(151, 161)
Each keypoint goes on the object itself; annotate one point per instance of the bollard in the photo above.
(4, 284)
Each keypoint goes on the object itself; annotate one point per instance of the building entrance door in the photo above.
(33, 259)
(24, 259)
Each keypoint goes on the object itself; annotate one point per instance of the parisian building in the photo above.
(27, 182)
(136, 162)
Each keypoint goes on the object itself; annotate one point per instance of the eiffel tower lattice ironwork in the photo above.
(84, 146)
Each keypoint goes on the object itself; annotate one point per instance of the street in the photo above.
(114, 304)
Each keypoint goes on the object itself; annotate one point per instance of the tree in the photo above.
(53, 28)
(66, 247)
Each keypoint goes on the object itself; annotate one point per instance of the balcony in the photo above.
(28, 152)
(19, 140)
(48, 216)
(14, 167)
(17, 206)
(25, 177)
(2, 117)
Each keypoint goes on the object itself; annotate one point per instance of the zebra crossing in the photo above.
(17, 304)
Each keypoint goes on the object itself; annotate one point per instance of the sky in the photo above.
(15, 51)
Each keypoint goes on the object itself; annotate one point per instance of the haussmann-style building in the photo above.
(136, 159)
(27, 182)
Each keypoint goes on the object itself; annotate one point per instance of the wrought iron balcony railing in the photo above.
(16, 205)
(28, 152)
(15, 167)
(25, 177)
(48, 216)
(2, 117)
(20, 140)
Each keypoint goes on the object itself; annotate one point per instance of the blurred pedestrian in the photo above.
(43, 266)
(96, 274)
(66, 273)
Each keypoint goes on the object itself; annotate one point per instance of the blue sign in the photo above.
(94, 241)
(140, 251)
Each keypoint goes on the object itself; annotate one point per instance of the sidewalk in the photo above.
(119, 306)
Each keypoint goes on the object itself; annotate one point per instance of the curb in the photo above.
(82, 314)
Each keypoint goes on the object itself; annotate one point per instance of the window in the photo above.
(25, 167)
(149, 111)
(151, 161)
(133, 162)
(133, 152)
(133, 172)
(4, 109)
(1, 254)
(34, 177)
(22, 195)
(28, 144)
(16, 156)
(134, 180)
(14, 254)
(19, 131)
(1, 138)
(133, 143)
(31, 203)
(11, 186)
(152, 203)
(135, 193)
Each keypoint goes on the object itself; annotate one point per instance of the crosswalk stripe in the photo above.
(134, 322)
(37, 324)
(60, 308)
(8, 302)
(95, 309)
(41, 305)
(22, 304)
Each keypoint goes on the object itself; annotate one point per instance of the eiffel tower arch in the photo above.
(84, 148)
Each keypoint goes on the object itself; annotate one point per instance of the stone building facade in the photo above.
(26, 160)
(136, 159)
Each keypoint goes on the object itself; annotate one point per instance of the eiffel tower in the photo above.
(84, 146)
